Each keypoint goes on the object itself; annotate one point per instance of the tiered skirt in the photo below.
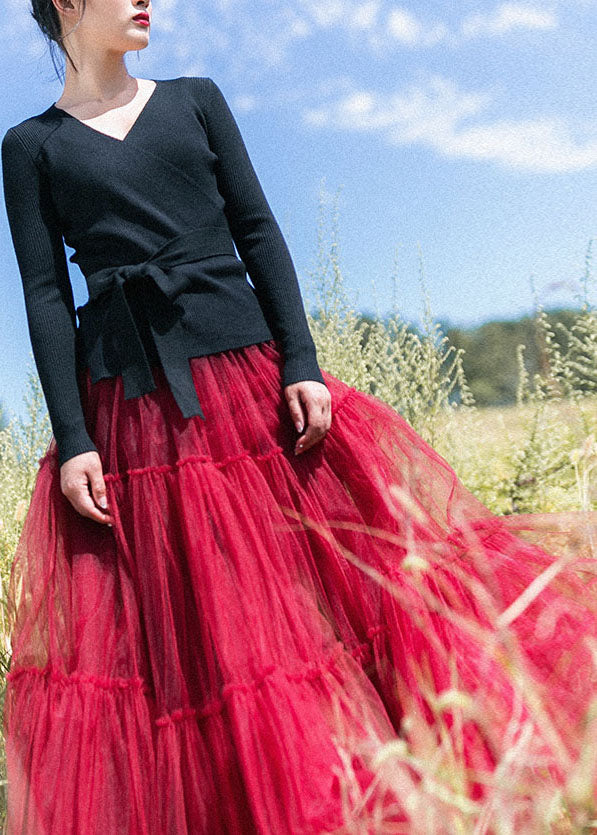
(235, 654)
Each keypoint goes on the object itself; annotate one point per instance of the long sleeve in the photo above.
(260, 242)
(49, 303)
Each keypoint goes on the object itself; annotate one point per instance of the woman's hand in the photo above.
(82, 482)
(310, 405)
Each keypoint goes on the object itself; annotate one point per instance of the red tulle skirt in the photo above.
(261, 640)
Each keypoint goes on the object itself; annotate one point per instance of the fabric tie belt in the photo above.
(155, 285)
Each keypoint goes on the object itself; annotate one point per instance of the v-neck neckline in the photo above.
(108, 135)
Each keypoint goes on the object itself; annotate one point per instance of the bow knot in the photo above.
(152, 287)
(140, 276)
(131, 274)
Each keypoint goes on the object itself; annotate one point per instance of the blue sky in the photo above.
(459, 139)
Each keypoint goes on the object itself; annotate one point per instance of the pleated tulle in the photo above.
(249, 632)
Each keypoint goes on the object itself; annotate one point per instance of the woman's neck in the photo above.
(97, 87)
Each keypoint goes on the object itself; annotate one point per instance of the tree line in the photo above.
(489, 357)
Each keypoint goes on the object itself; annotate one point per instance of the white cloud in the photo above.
(326, 13)
(438, 116)
(365, 15)
(404, 27)
(541, 144)
(506, 17)
(245, 103)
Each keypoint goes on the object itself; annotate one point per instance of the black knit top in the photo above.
(154, 220)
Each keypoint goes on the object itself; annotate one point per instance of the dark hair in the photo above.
(46, 16)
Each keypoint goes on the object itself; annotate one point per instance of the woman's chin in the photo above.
(138, 43)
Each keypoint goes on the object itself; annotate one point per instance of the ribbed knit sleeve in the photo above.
(49, 303)
(260, 242)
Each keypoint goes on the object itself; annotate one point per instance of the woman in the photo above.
(224, 603)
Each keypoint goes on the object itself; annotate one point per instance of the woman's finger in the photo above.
(297, 412)
(317, 423)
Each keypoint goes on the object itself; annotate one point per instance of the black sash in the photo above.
(150, 288)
